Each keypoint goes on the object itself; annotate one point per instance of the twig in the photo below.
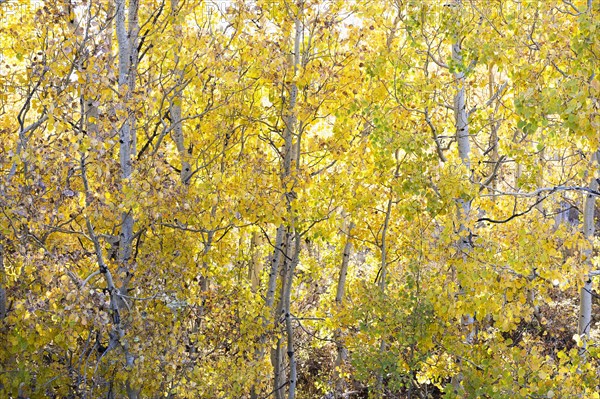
(438, 147)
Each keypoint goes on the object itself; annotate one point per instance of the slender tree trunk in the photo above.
(585, 306)
(292, 381)
(277, 361)
(255, 266)
(133, 33)
(277, 354)
(127, 38)
(127, 43)
(342, 352)
(285, 235)
(276, 258)
(274, 271)
(341, 287)
(460, 110)
(175, 105)
(461, 118)
(284, 259)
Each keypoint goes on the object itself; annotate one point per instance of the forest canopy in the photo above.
(299, 199)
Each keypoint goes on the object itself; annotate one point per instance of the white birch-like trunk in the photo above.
(127, 38)
(283, 255)
(461, 117)
(255, 266)
(175, 106)
(341, 287)
(461, 120)
(274, 271)
(88, 123)
(585, 306)
(133, 33)
(280, 266)
(342, 352)
(292, 157)
(116, 337)
(291, 356)
(276, 258)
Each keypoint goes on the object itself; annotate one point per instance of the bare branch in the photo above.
(436, 139)
(543, 190)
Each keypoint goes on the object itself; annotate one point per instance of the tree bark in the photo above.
(127, 39)
(175, 104)
(285, 234)
(461, 118)
(342, 353)
(585, 306)
(464, 151)
(292, 380)
(460, 110)
(277, 354)
(255, 266)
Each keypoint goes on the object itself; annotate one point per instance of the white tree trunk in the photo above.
(461, 115)
(464, 151)
(127, 38)
(282, 264)
(293, 378)
(292, 258)
(342, 352)
(175, 106)
(341, 287)
(461, 121)
(255, 266)
(585, 306)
